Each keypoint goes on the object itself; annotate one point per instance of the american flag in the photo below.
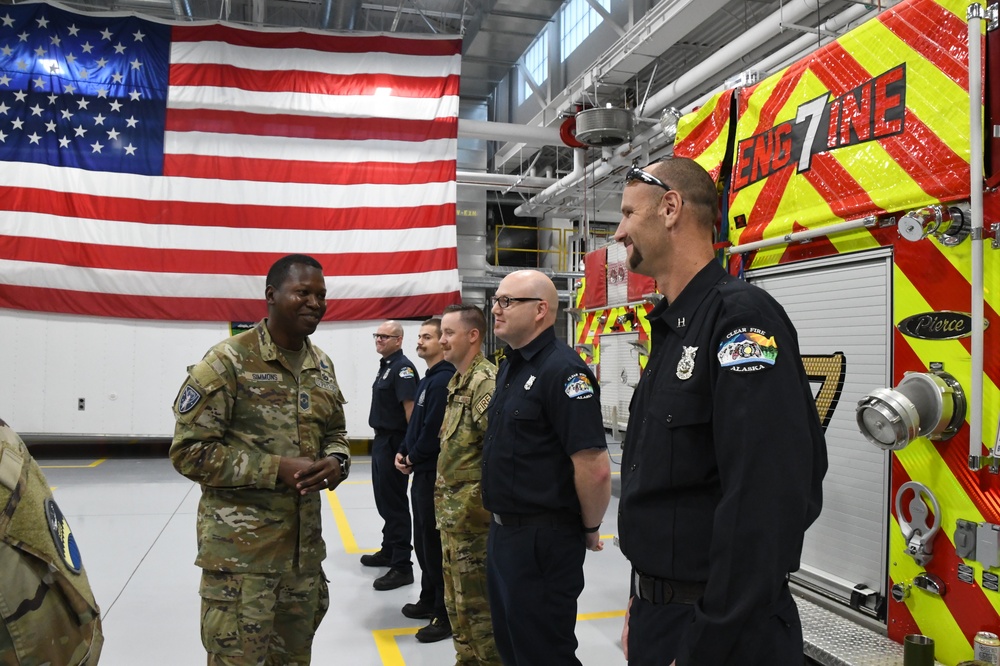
(157, 171)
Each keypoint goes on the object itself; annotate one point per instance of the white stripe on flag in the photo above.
(307, 60)
(237, 192)
(309, 150)
(223, 239)
(210, 285)
(306, 104)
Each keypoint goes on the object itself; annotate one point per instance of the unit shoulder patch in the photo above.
(747, 349)
(188, 399)
(406, 373)
(578, 386)
(62, 537)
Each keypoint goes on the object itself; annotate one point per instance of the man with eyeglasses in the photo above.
(393, 394)
(724, 457)
(546, 477)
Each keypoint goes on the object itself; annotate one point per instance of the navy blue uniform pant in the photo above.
(390, 499)
(655, 632)
(427, 543)
(535, 576)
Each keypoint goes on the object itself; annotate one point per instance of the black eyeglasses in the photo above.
(383, 336)
(635, 173)
(505, 301)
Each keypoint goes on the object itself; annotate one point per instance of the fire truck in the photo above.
(859, 187)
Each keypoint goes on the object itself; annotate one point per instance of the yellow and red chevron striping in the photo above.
(703, 134)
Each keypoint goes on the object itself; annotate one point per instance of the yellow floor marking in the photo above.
(343, 526)
(93, 464)
(388, 649)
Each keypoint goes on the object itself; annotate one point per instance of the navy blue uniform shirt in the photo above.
(395, 383)
(546, 408)
(724, 458)
(423, 441)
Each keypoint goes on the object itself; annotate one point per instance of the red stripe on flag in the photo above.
(938, 35)
(300, 39)
(197, 214)
(230, 76)
(155, 260)
(279, 171)
(308, 127)
(210, 309)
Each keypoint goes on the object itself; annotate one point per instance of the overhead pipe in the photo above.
(735, 50)
(754, 37)
(493, 131)
(495, 181)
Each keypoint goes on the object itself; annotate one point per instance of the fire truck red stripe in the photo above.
(928, 160)
(936, 34)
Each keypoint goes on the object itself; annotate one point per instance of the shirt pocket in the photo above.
(678, 438)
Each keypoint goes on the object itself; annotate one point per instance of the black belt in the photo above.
(664, 591)
(538, 520)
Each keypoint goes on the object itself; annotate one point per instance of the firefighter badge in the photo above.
(685, 366)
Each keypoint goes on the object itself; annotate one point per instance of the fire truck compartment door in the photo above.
(843, 304)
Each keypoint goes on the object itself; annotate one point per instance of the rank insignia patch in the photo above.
(62, 537)
(189, 398)
(304, 401)
(748, 349)
(406, 373)
(578, 386)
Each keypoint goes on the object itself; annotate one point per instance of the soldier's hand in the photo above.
(322, 474)
(402, 464)
(594, 542)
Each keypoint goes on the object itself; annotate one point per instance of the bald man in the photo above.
(546, 478)
(393, 393)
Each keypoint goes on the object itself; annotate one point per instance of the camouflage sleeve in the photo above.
(335, 437)
(481, 396)
(203, 412)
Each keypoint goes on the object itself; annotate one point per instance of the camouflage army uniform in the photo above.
(259, 542)
(48, 614)
(463, 521)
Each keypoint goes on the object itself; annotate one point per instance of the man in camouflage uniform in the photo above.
(47, 612)
(260, 425)
(463, 521)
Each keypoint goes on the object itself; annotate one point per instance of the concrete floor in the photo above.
(134, 519)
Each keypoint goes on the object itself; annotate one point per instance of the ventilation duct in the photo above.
(604, 127)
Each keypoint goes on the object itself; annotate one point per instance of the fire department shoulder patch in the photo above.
(578, 387)
(484, 403)
(189, 398)
(406, 373)
(748, 349)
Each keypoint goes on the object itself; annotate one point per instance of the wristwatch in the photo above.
(345, 464)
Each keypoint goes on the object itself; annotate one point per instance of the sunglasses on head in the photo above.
(635, 173)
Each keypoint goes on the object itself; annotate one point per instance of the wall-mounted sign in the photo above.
(942, 325)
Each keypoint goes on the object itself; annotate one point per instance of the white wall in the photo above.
(129, 371)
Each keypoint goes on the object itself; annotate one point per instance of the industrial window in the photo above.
(579, 19)
(536, 62)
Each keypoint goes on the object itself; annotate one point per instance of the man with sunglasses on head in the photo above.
(724, 457)
(546, 478)
(393, 393)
